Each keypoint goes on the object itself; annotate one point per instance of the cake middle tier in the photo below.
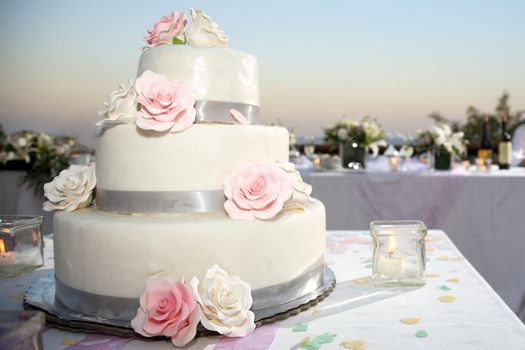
(198, 159)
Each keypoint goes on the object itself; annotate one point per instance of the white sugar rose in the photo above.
(122, 105)
(71, 189)
(301, 190)
(204, 31)
(225, 302)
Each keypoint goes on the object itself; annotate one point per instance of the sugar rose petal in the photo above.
(225, 302)
(167, 308)
(72, 189)
(260, 188)
(164, 105)
(167, 28)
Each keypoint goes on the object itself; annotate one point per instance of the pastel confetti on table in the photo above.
(317, 342)
(357, 344)
(447, 298)
(410, 320)
(443, 287)
(443, 258)
(422, 333)
(432, 275)
(360, 281)
(69, 341)
(457, 258)
(300, 327)
(453, 280)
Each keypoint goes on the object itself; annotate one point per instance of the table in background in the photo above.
(473, 318)
(17, 198)
(484, 214)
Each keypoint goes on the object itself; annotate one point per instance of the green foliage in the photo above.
(177, 41)
(473, 126)
(45, 155)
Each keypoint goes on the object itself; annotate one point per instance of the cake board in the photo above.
(41, 296)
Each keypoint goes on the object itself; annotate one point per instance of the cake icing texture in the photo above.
(217, 74)
(196, 203)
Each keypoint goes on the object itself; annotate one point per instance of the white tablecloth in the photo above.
(484, 214)
(354, 313)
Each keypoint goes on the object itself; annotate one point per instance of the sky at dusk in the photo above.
(396, 61)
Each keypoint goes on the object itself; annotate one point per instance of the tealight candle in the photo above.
(20, 244)
(391, 264)
(399, 253)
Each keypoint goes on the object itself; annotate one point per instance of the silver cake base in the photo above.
(41, 296)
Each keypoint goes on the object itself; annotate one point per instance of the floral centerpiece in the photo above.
(354, 139)
(41, 155)
(442, 144)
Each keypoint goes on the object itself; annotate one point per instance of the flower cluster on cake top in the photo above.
(173, 29)
(154, 102)
(173, 309)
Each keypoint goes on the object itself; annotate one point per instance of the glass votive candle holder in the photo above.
(399, 253)
(21, 244)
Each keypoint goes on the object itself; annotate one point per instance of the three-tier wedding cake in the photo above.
(199, 217)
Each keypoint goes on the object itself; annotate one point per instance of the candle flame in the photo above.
(392, 245)
(2, 249)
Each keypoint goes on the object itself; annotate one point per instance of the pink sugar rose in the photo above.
(164, 104)
(258, 190)
(167, 28)
(167, 308)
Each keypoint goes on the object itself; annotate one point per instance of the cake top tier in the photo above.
(186, 75)
(196, 53)
(214, 73)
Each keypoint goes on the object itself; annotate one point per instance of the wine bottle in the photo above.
(504, 146)
(485, 147)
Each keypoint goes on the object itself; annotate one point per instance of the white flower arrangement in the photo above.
(440, 137)
(365, 132)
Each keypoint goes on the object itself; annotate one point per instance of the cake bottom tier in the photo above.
(103, 259)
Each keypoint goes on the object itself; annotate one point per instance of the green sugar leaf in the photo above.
(421, 333)
(300, 327)
(177, 41)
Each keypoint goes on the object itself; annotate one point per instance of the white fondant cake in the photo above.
(197, 159)
(215, 73)
(185, 194)
(114, 254)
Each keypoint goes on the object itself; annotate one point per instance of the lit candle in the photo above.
(391, 264)
(6, 258)
(317, 163)
(393, 163)
(10, 258)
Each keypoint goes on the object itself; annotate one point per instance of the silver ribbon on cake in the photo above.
(266, 301)
(172, 202)
(209, 111)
